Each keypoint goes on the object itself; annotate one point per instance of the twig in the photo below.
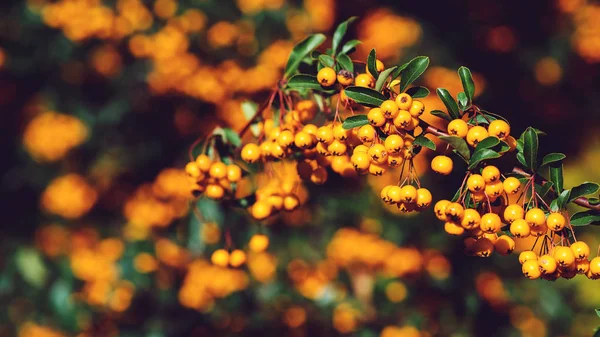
(581, 201)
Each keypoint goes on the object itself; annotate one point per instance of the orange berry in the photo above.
(366, 133)
(547, 264)
(234, 173)
(344, 77)
(471, 219)
(192, 169)
(440, 209)
(393, 144)
(564, 256)
(511, 185)
(364, 80)
(475, 183)
(504, 245)
(389, 109)
(204, 162)
(408, 194)
(490, 174)
(581, 250)
(251, 153)
(403, 120)
(261, 209)
(453, 229)
(378, 154)
(531, 269)
(490, 223)
(417, 108)
(527, 255)
(423, 198)
(454, 211)
(476, 134)
(535, 217)
(290, 202)
(499, 128)
(556, 222)
(513, 212)
(520, 229)
(214, 191)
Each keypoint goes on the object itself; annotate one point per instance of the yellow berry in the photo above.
(340, 133)
(581, 250)
(304, 140)
(476, 134)
(513, 212)
(527, 255)
(404, 101)
(499, 128)
(376, 117)
(547, 264)
(393, 144)
(440, 209)
(251, 153)
(490, 223)
(453, 229)
(192, 169)
(290, 202)
(490, 174)
(504, 245)
(326, 77)
(364, 80)
(204, 162)
(214, 191)
(519, 228)
(494, 190)
(595, 266)
(564, 256)
(258, 243)
(531, 269)
(345, 78)
(483, 247)
(366, 133)
(471, 219)
(394, 194)
(556, 222)
(220, 257)
(511, 185)
(237, 258)
(325, 134)
(442, 165)
(423, 198)
(535, 217)
(417, 108)
(360, 160)
(261, 209)
(389, 109)
(403, 120)
(475, 183)
(458, 128)
(454, 211)
(408, 194)
(378, 154)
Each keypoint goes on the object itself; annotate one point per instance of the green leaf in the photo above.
(349, 46)
(441, 114)
(521, 158)
(463, 101)
(418, 92)
(423, 141)
(545, 189)
(383, 77)
(327, 61)
(530, 148)
(563, 199)
(481, 155)
(301, 50)
(372, 64)
(365, 96)
(413, 70)
(556, 175)
(597, 312)
(502, 147)
(339, 33)
(449, 102)
(594, 201)
(303, 81)
(459, 144)
(552, 157)
(249, 109)
(398, 70)
(355, 121)
(232, 137)
(591, 217)
(487, 143)
(597, 332)
(584, 189)
(479, 119)
(346, 62)
(31, 267)
(467, 82)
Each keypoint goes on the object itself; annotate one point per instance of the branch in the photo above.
(581, 201)
(428, 128)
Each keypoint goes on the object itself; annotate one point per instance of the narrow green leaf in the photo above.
(459, 144)
(563, 199)
(530, 148)
(493, 116)
(481, 155)
(463, 101)
(502, 147)
(398, 70)
(423, 141)
(552, 157)
(584, 189)
(346, 62)
(349, 46)
(441, 114)
(301, 50)
(449, 102)
(418, 92)
(372, 64)
(365, 96)
(327, 61)
(303, 81)
(339, 33)
(487, 143)
(383, 77)
(597, 312)
(413, 70)
(591, 217)
(232, 137)
(456, 195)
(250, 109)
(479, 119)
(355, 121)
(467, 82)
(556, 175)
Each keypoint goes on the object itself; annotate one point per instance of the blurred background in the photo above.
(100, 101)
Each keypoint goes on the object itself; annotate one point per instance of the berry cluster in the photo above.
(561, 261)
(213, 178)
